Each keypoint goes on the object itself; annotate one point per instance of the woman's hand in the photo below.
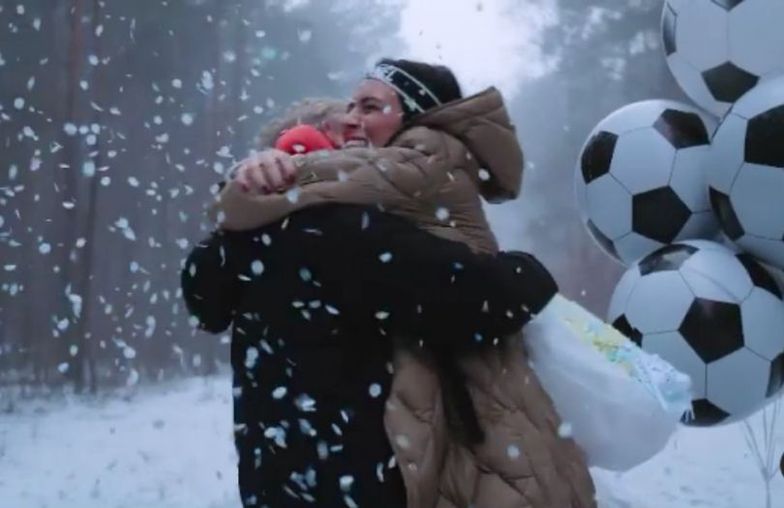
(265, 172)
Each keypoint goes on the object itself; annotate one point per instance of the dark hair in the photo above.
(438, 78)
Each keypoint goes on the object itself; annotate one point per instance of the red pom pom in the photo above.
(303, 139)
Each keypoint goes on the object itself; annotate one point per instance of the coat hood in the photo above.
(483, 124)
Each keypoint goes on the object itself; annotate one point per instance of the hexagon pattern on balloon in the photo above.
(718, 50)
(715, 314)
(655, 151)
(747, 196)
(735, 396)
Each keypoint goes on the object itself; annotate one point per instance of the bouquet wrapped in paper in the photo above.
(621, 403)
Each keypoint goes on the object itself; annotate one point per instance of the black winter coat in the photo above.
(314, 301)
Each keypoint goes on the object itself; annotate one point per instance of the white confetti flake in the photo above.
(37, 24)
(93, 59)
(176, 83)
(122, 224)
(187, 118)
(257, 267)
(382, 315)
(63, 368)
(88, 169)
(98, 30)
(292, 195)
(62, 324)
(251, 356)
(206, 80)
(150, 330)
(565, 430)
(305, 35)
(44, 248)
(346, 482)
(305, 403)
(19, 103)
(442, 214)
(29, 132)
(129, 352)
(386, 257)
(513, 451)
(279, 392)
(375, 390)
(484, 175)
(132, 181)
(73, 350)
(403, 441)
(133, 378)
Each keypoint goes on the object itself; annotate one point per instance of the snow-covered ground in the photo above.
(171, 447)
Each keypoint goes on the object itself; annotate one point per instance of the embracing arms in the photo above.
(419, 163)
(368, 270)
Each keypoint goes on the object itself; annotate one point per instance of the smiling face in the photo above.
(374, 115)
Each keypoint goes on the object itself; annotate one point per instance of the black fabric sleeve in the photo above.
(372, 272)
(439, 291)
(210, 283)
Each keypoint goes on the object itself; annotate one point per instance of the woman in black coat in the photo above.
(313, 301)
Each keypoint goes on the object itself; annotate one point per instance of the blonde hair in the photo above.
(311, 111)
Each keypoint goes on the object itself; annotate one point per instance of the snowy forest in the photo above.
(119, 118)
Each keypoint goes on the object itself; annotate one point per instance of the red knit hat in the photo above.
(303, 139)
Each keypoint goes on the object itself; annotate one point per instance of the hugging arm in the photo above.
(341, 266)
(416, 166)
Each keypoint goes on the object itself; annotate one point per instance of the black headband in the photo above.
(415, 96)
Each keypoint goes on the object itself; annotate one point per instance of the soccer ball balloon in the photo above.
(747, 172)
(640, 180)
(717, 50)
(714, 314)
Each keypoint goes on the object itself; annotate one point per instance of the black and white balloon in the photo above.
(718, 50)
(714, 314)
(640, 179)
(747, 172)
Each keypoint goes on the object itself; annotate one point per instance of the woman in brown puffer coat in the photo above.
(436, 154)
